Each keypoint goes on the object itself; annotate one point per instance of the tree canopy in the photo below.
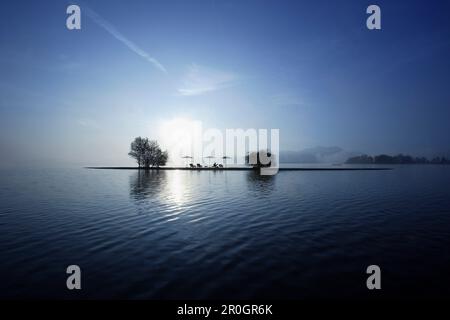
(260, 159)
(147, 153)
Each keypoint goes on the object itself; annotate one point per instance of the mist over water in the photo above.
(201, 234)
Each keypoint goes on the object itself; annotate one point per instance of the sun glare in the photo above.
(178, 137)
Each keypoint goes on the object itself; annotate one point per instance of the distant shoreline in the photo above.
(238, 169)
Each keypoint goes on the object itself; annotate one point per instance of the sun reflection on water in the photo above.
(177, 189)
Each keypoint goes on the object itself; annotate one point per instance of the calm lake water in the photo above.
(187, 234)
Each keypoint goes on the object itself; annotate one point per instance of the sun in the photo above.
(179, 136)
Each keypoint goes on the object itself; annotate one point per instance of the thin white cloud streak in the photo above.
(199, 80)
(88, 123)
(116, 34)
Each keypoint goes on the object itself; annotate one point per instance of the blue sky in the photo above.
(311, 69)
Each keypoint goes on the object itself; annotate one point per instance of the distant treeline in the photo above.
(398, 159)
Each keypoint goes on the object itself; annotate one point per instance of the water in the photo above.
(190, 234)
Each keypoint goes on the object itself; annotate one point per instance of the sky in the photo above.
(311, 69)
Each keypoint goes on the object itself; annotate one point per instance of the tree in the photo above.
(138, 148)
(254, 159)
(148, 153)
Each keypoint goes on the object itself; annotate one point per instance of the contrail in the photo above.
(116, 34)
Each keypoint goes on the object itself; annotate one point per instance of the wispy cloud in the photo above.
(199, 80)
(116, 34)
(88, 123)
